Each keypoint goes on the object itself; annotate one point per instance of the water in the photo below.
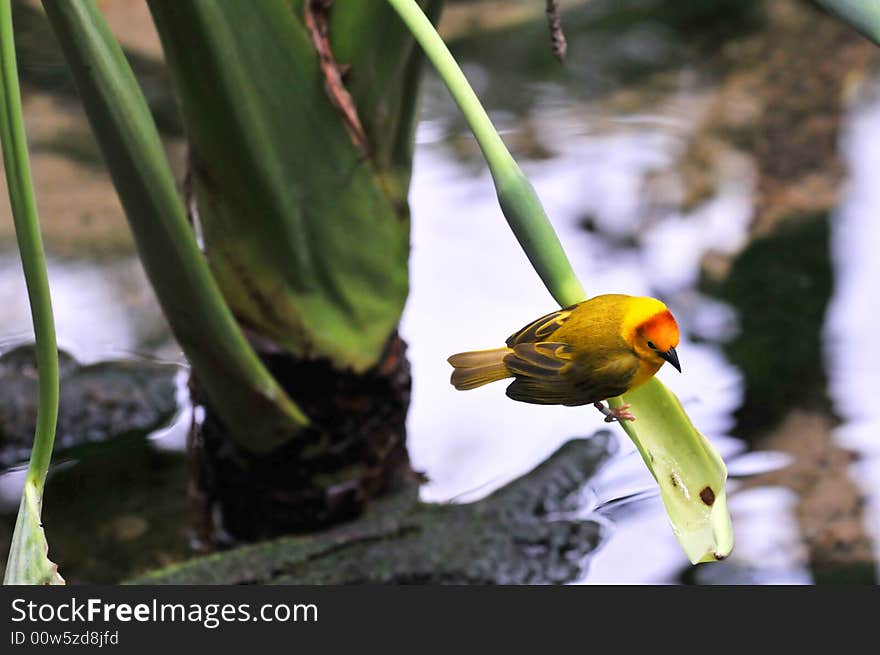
(477, 441)
(102, 309)
(851, 358)
(607, 144)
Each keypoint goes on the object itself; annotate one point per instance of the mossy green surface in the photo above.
(528, 532)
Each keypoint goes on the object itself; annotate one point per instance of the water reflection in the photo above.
(113, 510)
(606, 160)
(852, 355)
(769, 546)
(103, 309)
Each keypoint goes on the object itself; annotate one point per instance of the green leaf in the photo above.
(383, 81)
(306, 242)
(257, 412)
(28, 561)
(863, 15)
(689, 471)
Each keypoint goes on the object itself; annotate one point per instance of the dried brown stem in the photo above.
(557, 36)
(315, 17)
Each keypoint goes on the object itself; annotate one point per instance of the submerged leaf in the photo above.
(688, 470)
(28, 561)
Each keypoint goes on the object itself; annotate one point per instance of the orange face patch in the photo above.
(661, 330)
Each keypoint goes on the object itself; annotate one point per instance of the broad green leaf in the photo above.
(306, 237)
(384, 81)
(259, 415)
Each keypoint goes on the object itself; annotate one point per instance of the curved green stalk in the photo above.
(690, 473)
(27, 563)
(259, 414)
(517, 197)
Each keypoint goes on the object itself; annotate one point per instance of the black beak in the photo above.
(672, 357)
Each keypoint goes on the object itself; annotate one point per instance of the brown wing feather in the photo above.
(607, 381)
(538, 392)
(539, 360)
(540, 372)
(540, 329)
(544, 379)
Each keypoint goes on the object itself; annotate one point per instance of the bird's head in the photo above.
(652, 332)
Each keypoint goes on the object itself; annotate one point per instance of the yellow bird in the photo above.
(597, 349)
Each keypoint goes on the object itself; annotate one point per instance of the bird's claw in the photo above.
(613, 414)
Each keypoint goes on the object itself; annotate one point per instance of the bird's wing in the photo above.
(547, 374)
(540, 329)
(544, 360)
(539, 392)
(610, 378)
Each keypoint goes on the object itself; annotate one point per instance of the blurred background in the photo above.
(718, 154)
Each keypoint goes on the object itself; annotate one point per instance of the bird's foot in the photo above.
(613, 414)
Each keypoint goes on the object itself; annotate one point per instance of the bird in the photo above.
(584, 354)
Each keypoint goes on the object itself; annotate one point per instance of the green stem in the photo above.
(517, 197)
(30, 245)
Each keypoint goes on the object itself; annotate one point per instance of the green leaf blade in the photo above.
(307, 242)
(28, 562)
(258, 413)
(689, 471)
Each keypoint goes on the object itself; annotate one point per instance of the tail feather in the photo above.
(479, 367)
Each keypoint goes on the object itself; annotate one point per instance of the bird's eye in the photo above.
(651, 345)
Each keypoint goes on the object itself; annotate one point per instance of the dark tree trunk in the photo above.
(356, 451)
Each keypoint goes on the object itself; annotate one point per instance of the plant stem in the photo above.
(30, 245)
(517, 197)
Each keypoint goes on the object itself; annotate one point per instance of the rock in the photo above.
(128, 527)
(525, 533)
(98, 401)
